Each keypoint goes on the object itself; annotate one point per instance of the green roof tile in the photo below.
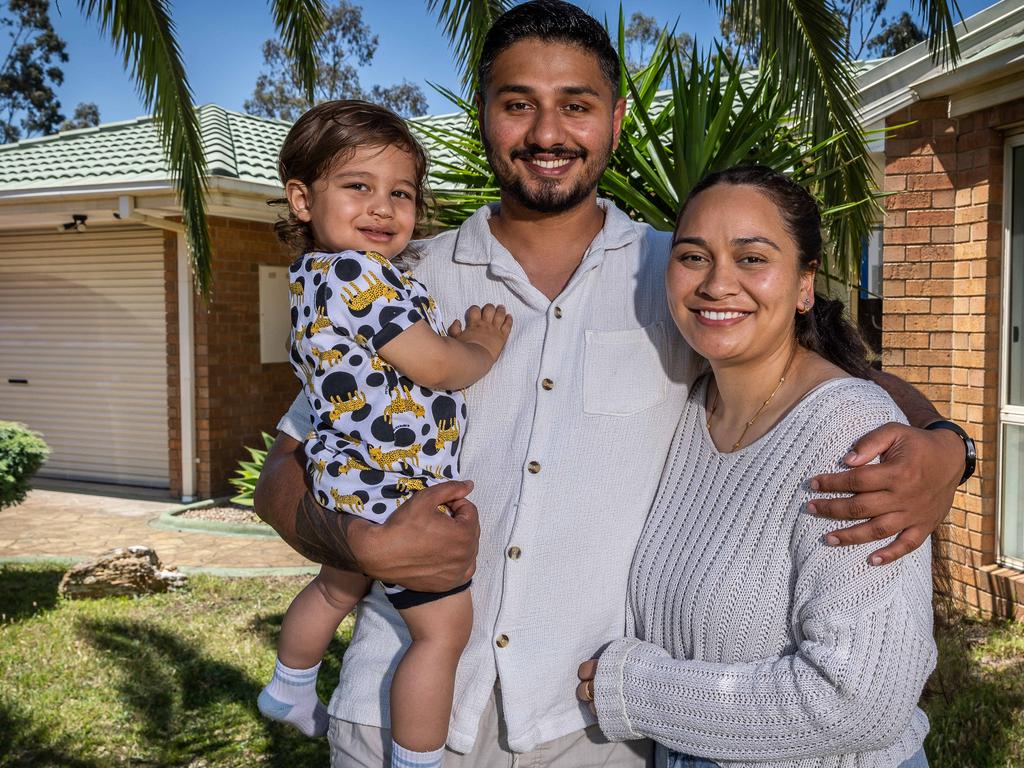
(236, 145)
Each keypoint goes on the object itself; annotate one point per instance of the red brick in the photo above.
(905, 200)
(933, 218)
(918, 181)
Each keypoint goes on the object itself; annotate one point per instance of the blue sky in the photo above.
(221, 42)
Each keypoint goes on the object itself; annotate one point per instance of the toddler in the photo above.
(383, 380)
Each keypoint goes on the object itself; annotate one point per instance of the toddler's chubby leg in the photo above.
(424, 683)
(307, 629)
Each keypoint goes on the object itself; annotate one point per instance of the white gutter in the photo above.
(186, 342)
(87, 190)
(221, 183)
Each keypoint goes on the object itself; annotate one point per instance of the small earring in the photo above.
(806, 307)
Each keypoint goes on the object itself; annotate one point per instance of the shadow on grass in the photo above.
(192, 707)
(24, 744)
(27, 592)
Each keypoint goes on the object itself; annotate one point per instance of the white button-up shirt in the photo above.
(566, 440)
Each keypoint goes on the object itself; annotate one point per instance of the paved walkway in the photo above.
(75, 522)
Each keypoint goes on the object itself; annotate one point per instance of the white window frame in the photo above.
(1008, 414)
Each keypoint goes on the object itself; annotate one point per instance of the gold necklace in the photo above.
(782, 380)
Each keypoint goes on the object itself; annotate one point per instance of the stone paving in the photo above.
(72, 524)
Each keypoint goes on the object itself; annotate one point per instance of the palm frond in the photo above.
(300, 23)
(142, 31)
(461, 178)
(940, 26)
(465, 24)
(801, 50)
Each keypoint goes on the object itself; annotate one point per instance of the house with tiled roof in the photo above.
(104, 348)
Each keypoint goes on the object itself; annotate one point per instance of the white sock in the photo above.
(406, 758)
(290, 697)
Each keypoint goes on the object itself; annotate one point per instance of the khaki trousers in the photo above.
(364, 746)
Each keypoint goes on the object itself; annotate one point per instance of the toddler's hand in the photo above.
(487, 327)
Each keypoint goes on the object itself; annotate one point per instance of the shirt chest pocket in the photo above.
(623, 373)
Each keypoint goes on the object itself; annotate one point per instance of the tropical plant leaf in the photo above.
(712, 116)
(801, 48)
(940, 27)
(248, 473)
(143, 33)
(465, 24)
(300, 23)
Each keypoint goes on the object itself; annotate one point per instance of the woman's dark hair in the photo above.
(551, 21)
(825, 329)
(329, 134)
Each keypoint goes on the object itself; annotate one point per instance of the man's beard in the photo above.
(545, 195)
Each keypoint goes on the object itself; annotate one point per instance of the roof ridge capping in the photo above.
(78, 132)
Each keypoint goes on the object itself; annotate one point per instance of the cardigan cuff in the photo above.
(608, 691)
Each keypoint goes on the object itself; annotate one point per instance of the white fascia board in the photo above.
(85, 190)
(1003, 63)
(877, 111)
(136, 187)
(991, 95)
(228, 184)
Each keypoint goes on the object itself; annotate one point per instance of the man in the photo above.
(567, 434)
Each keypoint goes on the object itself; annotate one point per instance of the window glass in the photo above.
(1015, 333)
(1013, 493)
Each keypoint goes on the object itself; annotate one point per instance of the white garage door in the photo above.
(83, 350)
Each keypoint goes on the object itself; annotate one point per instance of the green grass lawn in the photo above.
(166, 680)
(171, 680)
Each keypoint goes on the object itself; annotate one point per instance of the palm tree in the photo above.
(142, 31)
(804, 69)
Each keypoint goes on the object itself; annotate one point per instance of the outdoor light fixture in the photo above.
(77, 223)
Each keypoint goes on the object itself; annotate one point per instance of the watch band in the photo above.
(970, 453)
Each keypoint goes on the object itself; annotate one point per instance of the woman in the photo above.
(756, 643)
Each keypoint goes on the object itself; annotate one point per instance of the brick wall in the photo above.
(237, 397)
(941, 282)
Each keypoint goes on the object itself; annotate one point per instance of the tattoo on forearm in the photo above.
(321, 535)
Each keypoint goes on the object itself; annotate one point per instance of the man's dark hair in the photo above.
(551, 21)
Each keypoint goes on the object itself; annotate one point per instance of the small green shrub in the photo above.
(248, 472)
(22, 452)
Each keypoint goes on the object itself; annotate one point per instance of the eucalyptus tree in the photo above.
(797, 113)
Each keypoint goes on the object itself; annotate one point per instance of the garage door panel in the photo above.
(82, 320)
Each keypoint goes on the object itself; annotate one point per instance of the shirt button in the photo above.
(547, 384)
(533, 467)
(502, 641)
(514, 553)
(558, 312)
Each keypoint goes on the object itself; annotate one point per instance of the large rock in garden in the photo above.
(122, 571)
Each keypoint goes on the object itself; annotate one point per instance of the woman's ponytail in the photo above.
(827, 330)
